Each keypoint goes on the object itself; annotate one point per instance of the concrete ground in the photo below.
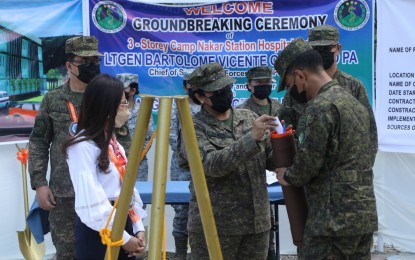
(389, 253)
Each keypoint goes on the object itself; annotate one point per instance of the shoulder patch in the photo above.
(40, 127)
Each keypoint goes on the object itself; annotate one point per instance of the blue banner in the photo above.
(161, 42)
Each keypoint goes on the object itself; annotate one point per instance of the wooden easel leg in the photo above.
(160, 176)
(198, 178)
(131, 173)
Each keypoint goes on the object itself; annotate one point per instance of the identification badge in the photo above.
(72, 128)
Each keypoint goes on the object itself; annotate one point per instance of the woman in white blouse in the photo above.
(96, 164)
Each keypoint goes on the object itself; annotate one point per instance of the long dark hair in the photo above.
(97, 116)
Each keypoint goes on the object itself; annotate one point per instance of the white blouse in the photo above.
(94, 189)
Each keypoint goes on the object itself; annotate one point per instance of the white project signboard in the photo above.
(395, 76)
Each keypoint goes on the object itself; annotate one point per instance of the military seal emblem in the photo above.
(109, 17)
(351, 15)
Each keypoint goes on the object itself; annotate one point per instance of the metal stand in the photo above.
(160, 176)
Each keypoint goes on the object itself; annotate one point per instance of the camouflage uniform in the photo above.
(177, 173)
(50, 131)
(254, 107)
(234, 165)
(250, 104)
(322, 36)
(292, 110)
(143, 169)
(125, 133)
(334, 166)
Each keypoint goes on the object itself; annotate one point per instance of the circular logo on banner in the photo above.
(351, 15)
(109, 16)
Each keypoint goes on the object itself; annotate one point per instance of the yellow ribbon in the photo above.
(105, 234)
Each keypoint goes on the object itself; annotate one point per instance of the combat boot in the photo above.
(181, 247)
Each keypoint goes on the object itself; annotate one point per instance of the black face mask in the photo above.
(262, 91)
(328, 58)
(299, 97)
(222, 100)
(88, 72)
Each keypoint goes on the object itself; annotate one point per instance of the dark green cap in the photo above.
(84, 46)
(262, 72)
(287, 56)
(323, 35)
(209, 77)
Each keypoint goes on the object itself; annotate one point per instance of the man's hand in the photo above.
(280, 176)
(287, 127)
(45, 198)
(261, 125)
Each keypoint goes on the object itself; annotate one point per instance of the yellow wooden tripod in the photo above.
(160, 176)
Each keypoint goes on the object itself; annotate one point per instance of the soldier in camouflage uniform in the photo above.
(50, 131)
(125, 133)
(235, 154)
(332, 162)
(260, 85)
(325, 39)
(177, 173)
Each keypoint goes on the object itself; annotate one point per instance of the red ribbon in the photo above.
(22, 155)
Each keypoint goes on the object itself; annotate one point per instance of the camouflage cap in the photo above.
(287, 56)
(186, 73)
(323, 35)
(127, 78)
(84, 46)
(209, 77)
(262, 72)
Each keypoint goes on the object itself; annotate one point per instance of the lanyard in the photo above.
(74, 117)
(118, 159)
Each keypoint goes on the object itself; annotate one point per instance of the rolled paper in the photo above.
(279, 129)
(284, 149)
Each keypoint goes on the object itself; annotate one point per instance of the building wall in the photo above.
(20, 63)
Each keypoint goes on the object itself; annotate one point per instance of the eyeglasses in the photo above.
(124, 102)
(326, 48)
(88, 62)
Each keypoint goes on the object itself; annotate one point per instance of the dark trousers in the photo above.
(337, 248)
(234, 247)
(62, 225)
(88, 242)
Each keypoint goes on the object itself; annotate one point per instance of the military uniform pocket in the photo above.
(61, 122)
